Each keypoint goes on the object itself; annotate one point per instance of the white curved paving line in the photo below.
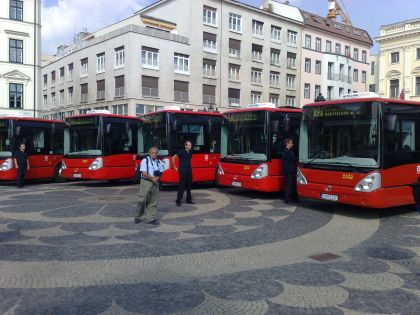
(340, 234)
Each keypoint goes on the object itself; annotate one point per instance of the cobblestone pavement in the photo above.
(72, 248)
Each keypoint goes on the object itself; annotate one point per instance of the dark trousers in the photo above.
(20, 175)
(185, 183)
(289, 187)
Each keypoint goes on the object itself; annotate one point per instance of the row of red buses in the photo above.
(169, 128)
(360, 151)
(252, 145)
(44, 144)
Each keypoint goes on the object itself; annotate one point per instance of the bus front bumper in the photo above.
(266, 184)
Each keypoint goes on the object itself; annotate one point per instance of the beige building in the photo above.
(196, 54)
(20, 70)
(400, 60)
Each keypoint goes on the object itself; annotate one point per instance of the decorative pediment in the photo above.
(16, 75)
(393, 73)
(416, 70)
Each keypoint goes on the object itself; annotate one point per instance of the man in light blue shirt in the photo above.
(151, 169)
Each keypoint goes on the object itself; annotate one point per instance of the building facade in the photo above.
(373, 77)
(20, 68)
(399, 50)
(215, 54)
(335, 58)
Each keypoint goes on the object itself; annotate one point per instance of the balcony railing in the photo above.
(256, 55)
(234, 102)
(100, 95)
(150, 92)
(209, 99)
(209, 72)
(234, 52)
(84, 98)
(209, 45)
(181, 96)
(119, 91)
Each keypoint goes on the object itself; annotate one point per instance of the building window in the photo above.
(70, 95)
(356, 54)
(330, 92)
(234, 97)
(291, 60)
(83, 111)
(84, 93)
(84, 67)
(347, 51)
(372, 88)
(150, 86)
(100, 63)
(318, 44)
(209, 42)
(363, 76)
(364, 56)
(16, 50)
(330, 70)
(234, 48)
(150, 57)
(53, 98)
(307, 91)
(274, 98)
(16, 10)
(328, 46)
(338, 49)
(209, 94)
(257, 28)
(44, 101)
(417, 85)
(418, 53)
(209, 67)
(340, 92)
(290, 100)
(52, 78)
(318, 66)
(255, 97)
(349, 74)
(394, 87)
(140, 109)
(308, 65)
(274, 79)
(308, 40)
(395, 57)
(275, 33)
(181, 63)
(292, 37)
(235, 22)
(45, 81)
(275, 57)
(317, 90)
(209, 15)
(119, 57)
(257, 52)
(181, 89)
(61, 97)
(61, 115)
(61, 74)
(119, 86)
(256, 75)
(100, 90)
(70, 71)
(234, 72)
(291, 81)
(70, 113)
(120, 109)
(372, 68)
(355, 75)
(15, 95)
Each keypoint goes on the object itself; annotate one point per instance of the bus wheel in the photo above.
(57, 174)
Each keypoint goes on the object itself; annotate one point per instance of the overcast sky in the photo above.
(61, 19)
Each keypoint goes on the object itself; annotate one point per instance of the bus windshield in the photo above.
(153, 133)
(5, 145)
(340, 135)
(244, 136)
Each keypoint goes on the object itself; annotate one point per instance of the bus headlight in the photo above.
(220, 170)
(96, 164)
(300, 178)
(166, 164)
(260, 172)
(63, 165)
(369, 183)
(6, 165)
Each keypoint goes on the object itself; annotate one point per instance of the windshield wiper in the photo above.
(351, 165)
(313, 159)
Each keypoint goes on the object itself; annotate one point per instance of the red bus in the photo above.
(252, 146)
(100, 146)
(44, 144)
(361, 151)
(168, 129)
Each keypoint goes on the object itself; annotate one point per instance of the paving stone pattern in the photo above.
(72, 248)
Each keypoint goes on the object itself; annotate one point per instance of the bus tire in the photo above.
(57, 174)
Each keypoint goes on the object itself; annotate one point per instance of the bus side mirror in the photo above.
(17, 131)
(174, 125)
(274, 126)
(390, 122)
(286, 126)
(107, 128)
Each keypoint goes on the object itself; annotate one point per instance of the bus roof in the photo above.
(32, 119)
(364, 100)
(105, 115)
(184, 112)
(288, 109)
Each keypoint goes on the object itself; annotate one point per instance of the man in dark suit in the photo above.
(289, 170)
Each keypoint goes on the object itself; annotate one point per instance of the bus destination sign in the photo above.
(242, 117)
(342, 111)
(82, 121)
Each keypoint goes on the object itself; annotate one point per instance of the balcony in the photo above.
(150, 92)
(209, 99)
(119, 92)
(180, 96)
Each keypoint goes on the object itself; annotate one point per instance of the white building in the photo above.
(20, 71)
(196, 54)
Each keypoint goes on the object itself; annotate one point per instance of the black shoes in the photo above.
(153, 222)
(137, 220)
(190, 202)
(178, 204)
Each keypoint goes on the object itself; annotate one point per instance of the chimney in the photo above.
(267, 6)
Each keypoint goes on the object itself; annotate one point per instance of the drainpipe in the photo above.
(35, 59)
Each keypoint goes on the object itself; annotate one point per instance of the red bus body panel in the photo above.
(118, 166)
(241, 173)
(394, 190)
(41, 167)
